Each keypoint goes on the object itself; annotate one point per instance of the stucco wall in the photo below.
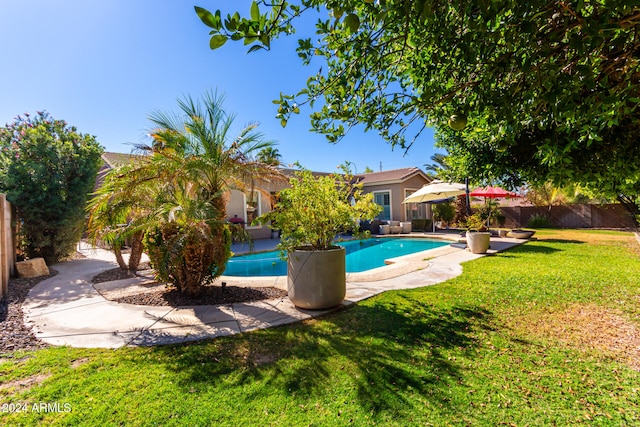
(236, 205)
(397, 195)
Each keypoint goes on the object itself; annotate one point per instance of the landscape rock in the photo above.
(35, 267)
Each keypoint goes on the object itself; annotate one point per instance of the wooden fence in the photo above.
(7, 247)
(571, 216)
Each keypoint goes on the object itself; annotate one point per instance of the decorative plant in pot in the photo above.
(478, 236)
(309, 214)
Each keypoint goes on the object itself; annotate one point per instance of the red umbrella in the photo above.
(493, 193)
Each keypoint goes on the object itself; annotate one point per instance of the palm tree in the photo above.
(186, 244)
(546, 194)
(116, 219)
(439, 167)
(270, 156)
(187, 173)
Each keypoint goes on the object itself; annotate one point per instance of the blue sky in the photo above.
(103, 66)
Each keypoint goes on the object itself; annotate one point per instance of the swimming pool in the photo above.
(361, 255)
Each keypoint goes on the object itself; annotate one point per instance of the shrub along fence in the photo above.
(571, 216)
(7, 246)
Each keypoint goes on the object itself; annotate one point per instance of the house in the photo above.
(390, 188)
(244, 207)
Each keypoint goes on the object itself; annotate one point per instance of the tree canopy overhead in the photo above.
(550, 88)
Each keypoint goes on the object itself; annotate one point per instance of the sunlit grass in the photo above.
(507, 342)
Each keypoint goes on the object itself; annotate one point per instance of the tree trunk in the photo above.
(632, 207)
(136, 251)
(461, 210)
(117, 250)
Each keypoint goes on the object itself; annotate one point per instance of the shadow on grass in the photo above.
(390, 354)
(528, 249)
(560, 241)
(538, 247)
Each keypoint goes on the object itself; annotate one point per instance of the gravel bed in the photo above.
(14, 335)
(210, 295)
(169, 296)
(118, 274)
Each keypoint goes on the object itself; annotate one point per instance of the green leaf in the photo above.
(208, 18)
(217, 41)
(255, 11)
(231, 23)
(265, 40)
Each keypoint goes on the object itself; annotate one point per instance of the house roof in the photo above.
(392, 176)
(291, 172)
(114, 160)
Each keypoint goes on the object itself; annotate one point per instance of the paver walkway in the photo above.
(67, 309)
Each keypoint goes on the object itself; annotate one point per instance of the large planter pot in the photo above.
(316, 279)
(478, 241)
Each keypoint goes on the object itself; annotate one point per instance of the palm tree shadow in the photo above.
(389, 349)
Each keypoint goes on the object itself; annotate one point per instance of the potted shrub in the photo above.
(310, 213)
(478, 236)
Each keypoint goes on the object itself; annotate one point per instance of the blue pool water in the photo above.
(361, 255)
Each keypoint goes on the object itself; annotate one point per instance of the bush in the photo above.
(47, 171)
(477, 221)
(188, 255)
(499, 217)
(491, 213)
(314, 209)
(444, 212)
(538, 221)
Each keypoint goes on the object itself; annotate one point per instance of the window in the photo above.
(414, 210)
(383, 198)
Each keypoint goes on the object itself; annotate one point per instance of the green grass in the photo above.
(503, 344)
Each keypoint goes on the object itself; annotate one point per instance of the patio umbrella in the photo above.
(492, 193)
(436, 190)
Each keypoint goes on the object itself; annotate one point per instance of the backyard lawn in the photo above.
(545, 334)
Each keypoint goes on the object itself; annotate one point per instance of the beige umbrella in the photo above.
(436, 190)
